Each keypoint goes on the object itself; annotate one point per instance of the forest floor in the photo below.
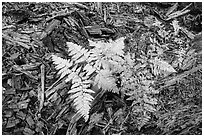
(35, 100)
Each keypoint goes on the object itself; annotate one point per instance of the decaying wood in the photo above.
(172, 80)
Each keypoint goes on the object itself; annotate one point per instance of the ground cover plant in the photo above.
(109, 68)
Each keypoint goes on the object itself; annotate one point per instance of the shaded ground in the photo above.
(35, 102)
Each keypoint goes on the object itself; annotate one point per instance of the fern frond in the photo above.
(118, 46)
(139, 90)
(63, 65)
(161, 67)
(108, 49)
(142, 120)
(82, 103)
(81, 96)
(89, 69)
(79, 90)
(78, 53)
(142, 107)
(105, 80)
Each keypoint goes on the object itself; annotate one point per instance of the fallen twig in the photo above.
(41, 92)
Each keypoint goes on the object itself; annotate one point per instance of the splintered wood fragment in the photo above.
(84, 32)
(26, 31)
(49, 28)
(23, 104)
(171, 9)
(85, 20)
(50, 93)
(19, 37)
(99, 7)
(59, 14)
(52, 25)
(9, 27)
(22, 40)
(126, 18)
(170, 81)
(72, 123)
(71, 22)
(18, 68)
(82, 29)
(81, 6)
(27, 67)
(42, 91)
(53, 88)
(107, 31)
(22, 44)
(28, 131)
(105, 15)
(93, 30)
(179, 13)
(188, 33)
(10, 39)
(97, 30)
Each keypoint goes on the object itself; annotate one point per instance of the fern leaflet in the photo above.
(159, 66)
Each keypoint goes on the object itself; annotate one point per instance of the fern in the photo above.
(109, 56)
(97, 66)
(83, 65)
(143, 103)
(137, 86)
